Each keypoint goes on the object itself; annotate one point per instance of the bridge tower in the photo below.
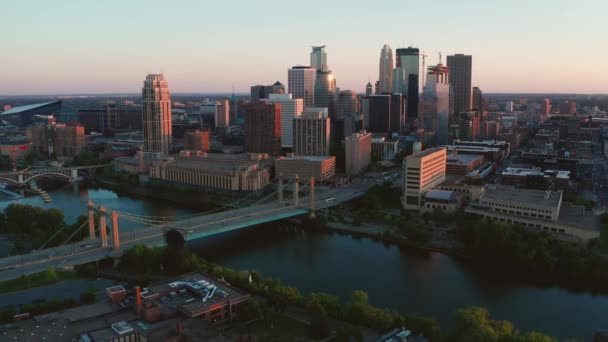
(296, 190)
(91, 210)
(312, 197)
(115, 234)
(102, 227)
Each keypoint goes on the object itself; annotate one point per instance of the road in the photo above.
(195, 227)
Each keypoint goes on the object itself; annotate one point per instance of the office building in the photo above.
(357, 152)
(468, 123)
(546, 108)
(567, 107)
(57, 140)
(369, 90)
(322, 168)
(385, 74)
(233, 172)
(23, 116)
(422, 172)
(384, 149)
(301, 84)
(462, 164)
(222, 114)
(259, 92)
(156, 102)
(263, 128)
(408, 64)
(111, 117)
(348, 104)
(537, 210)
(325, 92)
(436, 109)
(477, 103)
(311, 133)
(290, 109)
(386, 114)
(318, 58)
(461, 79)
(197, 140)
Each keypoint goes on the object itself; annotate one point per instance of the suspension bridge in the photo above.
(105, 241)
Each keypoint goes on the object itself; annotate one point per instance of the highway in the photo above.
(195, 227)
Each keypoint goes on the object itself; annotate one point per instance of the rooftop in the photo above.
(309, 158)
(532, 197)
(440, 195)
(427, 152)
(462, 159)
(20, 109)
(577, 216)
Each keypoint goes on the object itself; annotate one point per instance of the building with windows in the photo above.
(462, 164)
(301, 84)
(111, 117)
(406, 79)
(263, 128)
(385, 74)
(290, 109)
(468, 123)
(348, 104)
(436, 109)
(58, 140)
(322, 168)
(422, 172)
(357, 152)
(233, 172)
(318, 58)
(197, 140)
(311, 133)
(461, 79)
(156, 107)
(325, 92)
(538, 210)
(384, 149)
(260, 92)
(386, 114)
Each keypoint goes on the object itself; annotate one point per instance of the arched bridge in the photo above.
(69, 174)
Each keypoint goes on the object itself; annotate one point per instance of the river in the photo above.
(432, 284)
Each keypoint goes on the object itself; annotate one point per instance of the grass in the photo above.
(35, 280)
(279, 326)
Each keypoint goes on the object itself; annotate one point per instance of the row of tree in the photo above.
(357, 311)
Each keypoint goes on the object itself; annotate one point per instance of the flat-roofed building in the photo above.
(534, 178)
(384, 149)
(197, 140)
(440, 199)
(311, 133)
(461, 164)
(233, 172)
(357, 152)
(322, 168)
(111, 117)
(503, 146)
(421, 172)
(537, 210)
(491, 154)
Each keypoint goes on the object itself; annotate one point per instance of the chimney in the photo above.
(137, 300)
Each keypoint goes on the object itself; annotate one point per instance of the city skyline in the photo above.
(61, 49)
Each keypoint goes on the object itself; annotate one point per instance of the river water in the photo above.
(432, 284)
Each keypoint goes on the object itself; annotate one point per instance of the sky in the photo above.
(205, 46)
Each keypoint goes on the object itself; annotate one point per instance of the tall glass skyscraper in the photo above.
(318, 58)
(385, 74)
(408, 62)
(436, 103)
(301, 84)
(460, 76)
(325, 92)
(156, 110)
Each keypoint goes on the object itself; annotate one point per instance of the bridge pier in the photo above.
(115, 235)
(102, 227)
(91, 210)
(296, 190)
(73, 175)
(20, 179)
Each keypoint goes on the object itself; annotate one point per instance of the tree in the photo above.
(7, 314)
(49, 276)
(87, 297)
(252, 309)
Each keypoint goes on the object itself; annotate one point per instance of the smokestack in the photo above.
(137, 300)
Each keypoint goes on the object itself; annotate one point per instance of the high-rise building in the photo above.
(311, 133)
(156, 102)
(468, 123)
(357, 152)
(385, 75)
(422, 172)
(348, 104)
(259, 92)
(567, 107)
(301, 84)
(461, 78)
(58, 140)
(386, 114)
(263, 128)
(222, 114)
(318, 58)
(197, 140)
(408, 61)
(436, 103)
(290, 109)
(546, 108)
(325, 92)
(369, 89)
(214, 114)
(110, 117)
(477, 100)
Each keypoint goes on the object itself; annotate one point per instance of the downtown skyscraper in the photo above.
(318, 58)
(156, 110)
(385, 74)
(436, 109)
(461, 79)
(406, 79)
(301, 84)
(325, 92)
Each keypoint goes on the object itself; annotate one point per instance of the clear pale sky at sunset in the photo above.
(70, 46)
